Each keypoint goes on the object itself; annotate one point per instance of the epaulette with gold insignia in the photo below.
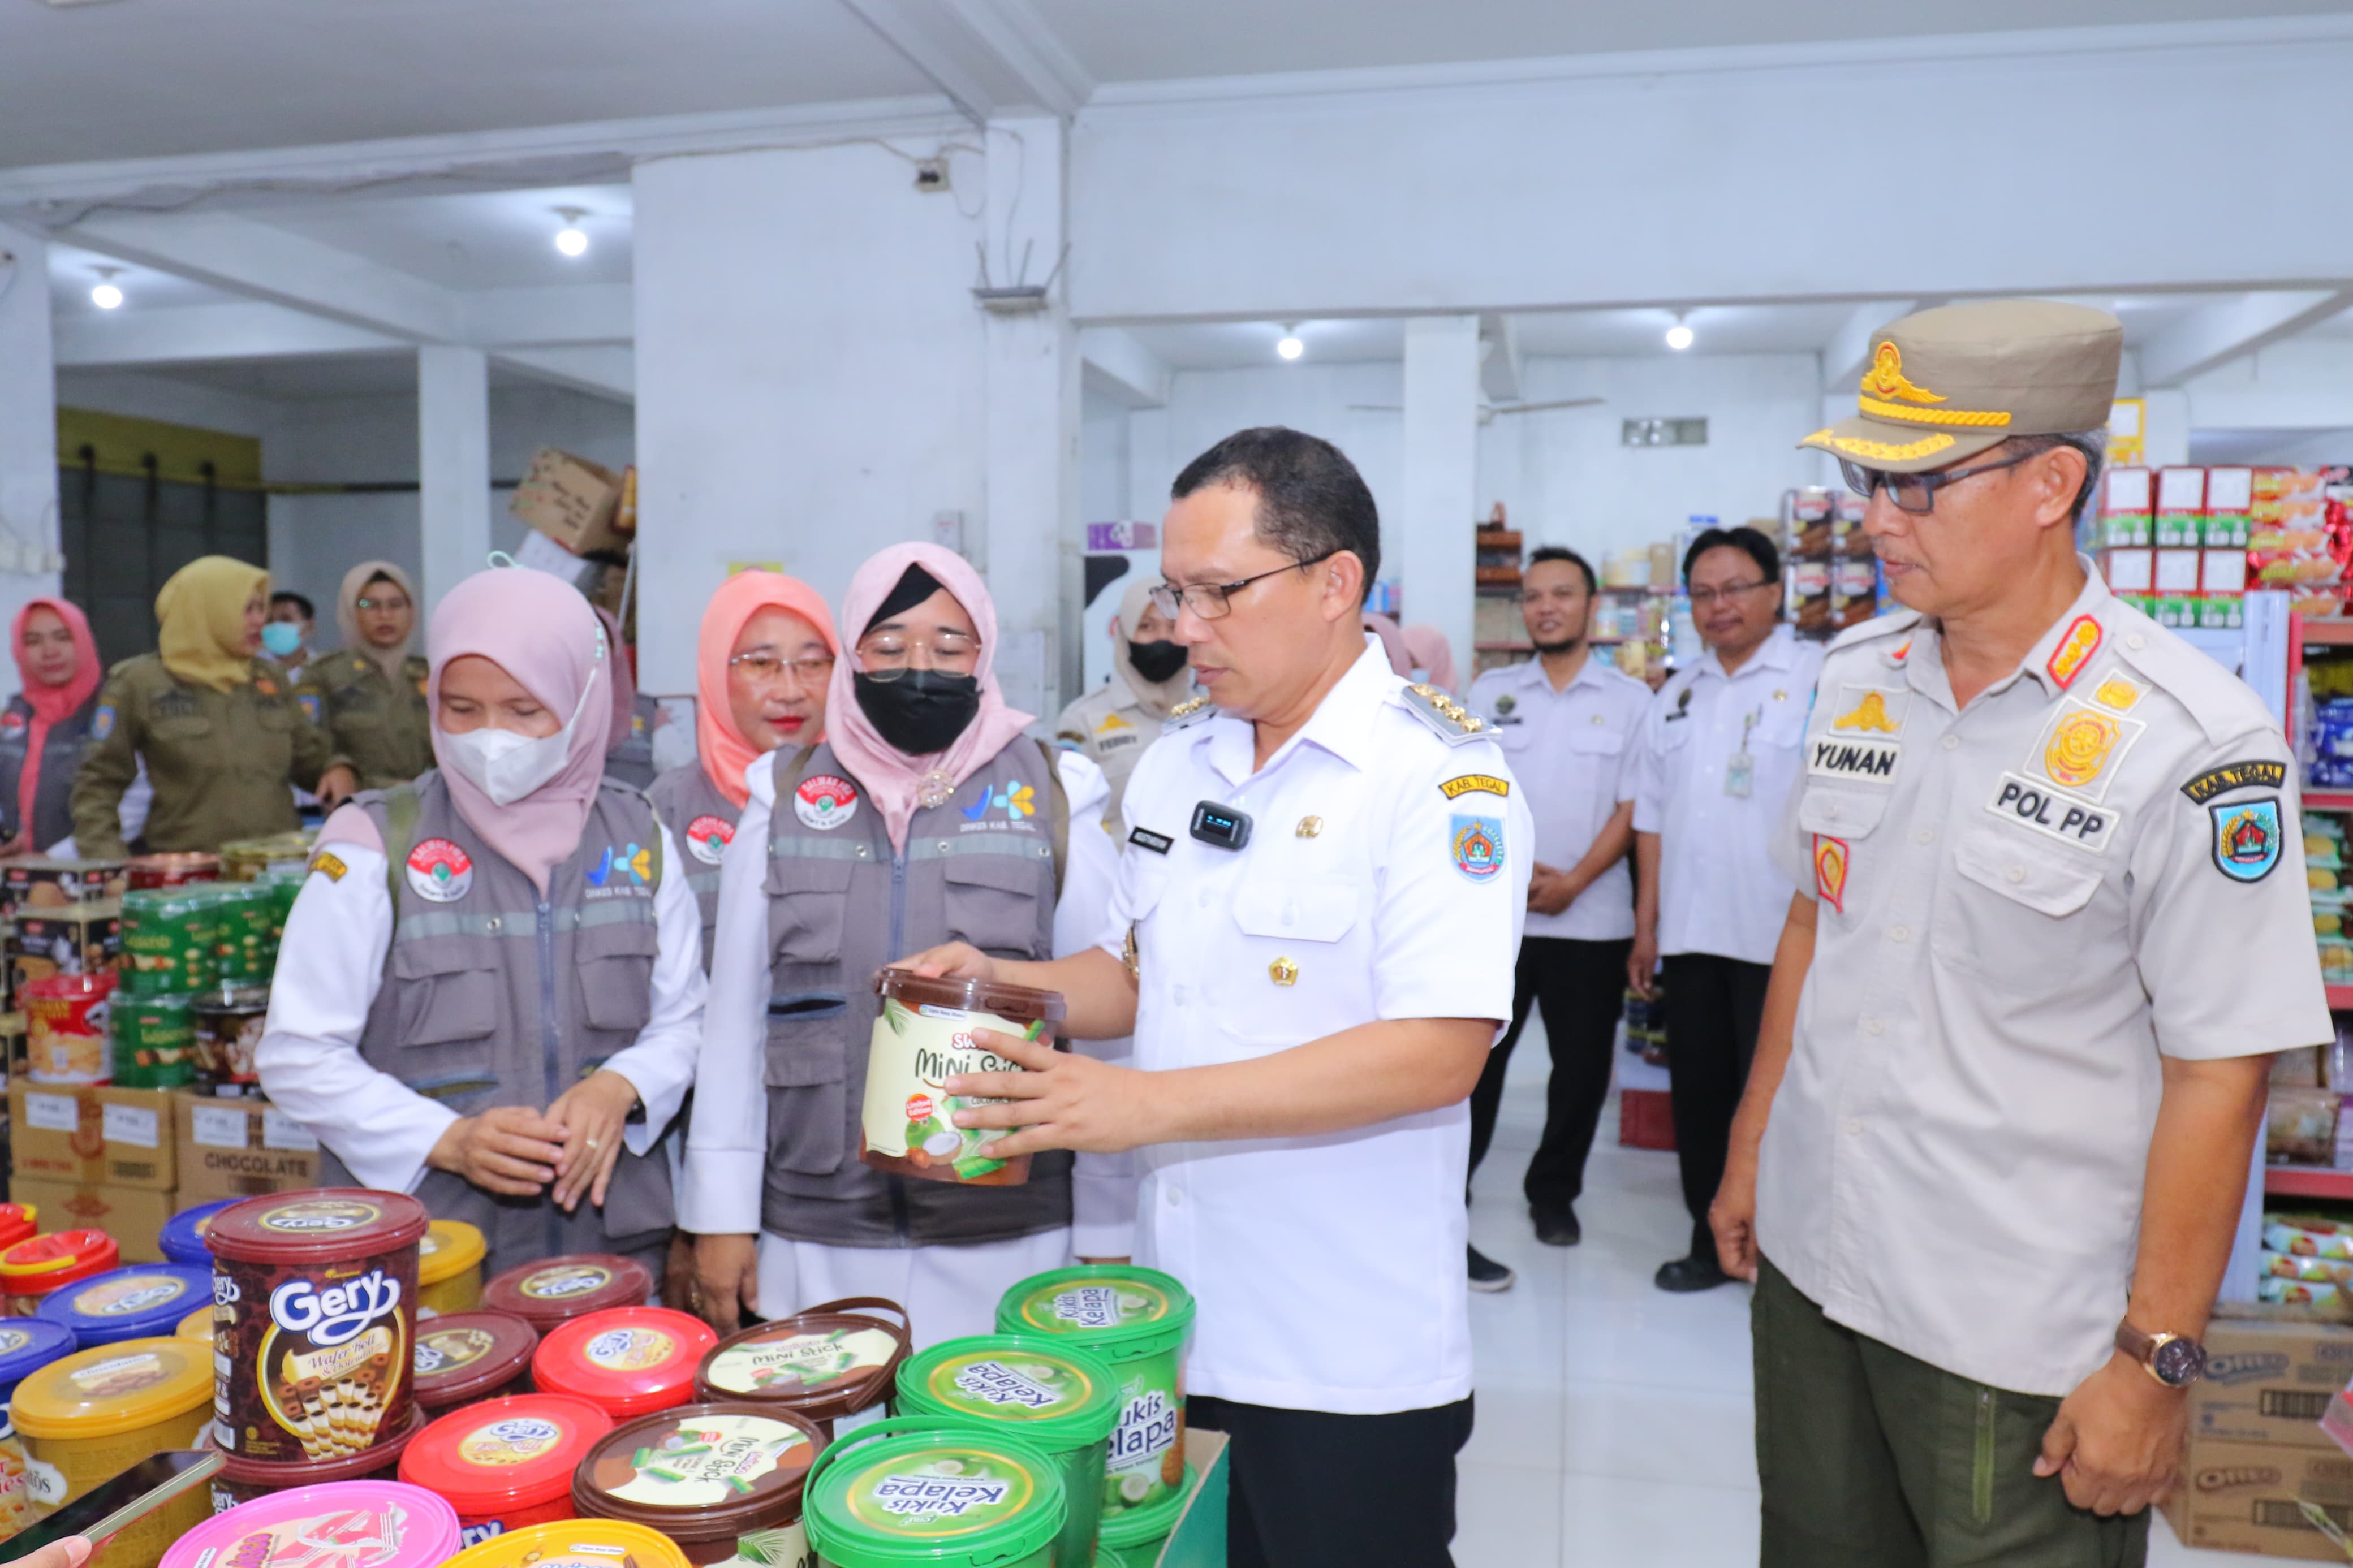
(1455, 724)
(1192, 710)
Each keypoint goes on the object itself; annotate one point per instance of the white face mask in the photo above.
(507, 766)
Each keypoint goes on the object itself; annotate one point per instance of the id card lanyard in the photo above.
(1740, 769)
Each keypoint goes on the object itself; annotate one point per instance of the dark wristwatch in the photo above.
(2173, 1359)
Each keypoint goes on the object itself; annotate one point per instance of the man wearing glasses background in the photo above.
(1714, 758)
(1563, 719)
(1992, 1159)
(1311, 937)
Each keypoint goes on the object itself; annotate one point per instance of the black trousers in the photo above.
(1581, 986)
(1713, 1007)
(1312, 1489)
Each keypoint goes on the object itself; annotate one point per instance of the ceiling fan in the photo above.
(1487, 410)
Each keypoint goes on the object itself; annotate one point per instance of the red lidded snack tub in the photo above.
(626, 1361)
(506, 1462)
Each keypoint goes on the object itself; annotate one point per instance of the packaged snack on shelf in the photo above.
(2181, 505)
(2280, 1292)
(38, 883)
(2289, 1266)
(2300, 1127)
(2127, 507)
(2308, 1235)
(2297, 1068)
(2230, 501)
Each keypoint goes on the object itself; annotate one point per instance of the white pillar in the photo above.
(28, 426)
(1432, 544)
(1032, 450)
(453, 465)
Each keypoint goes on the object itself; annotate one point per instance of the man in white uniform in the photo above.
(1715, 757)
(1317, 908)
(2012, 1070)
(1563, 719)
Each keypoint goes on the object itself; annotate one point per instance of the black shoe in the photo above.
(1557, 1227)
(1697, 1272)
(1488, 1275)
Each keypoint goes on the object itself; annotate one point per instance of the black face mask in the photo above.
(1156, 661)
(921, 712)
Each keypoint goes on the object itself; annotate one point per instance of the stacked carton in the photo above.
(2258, 1454)
(583, 518)
(2174, 541)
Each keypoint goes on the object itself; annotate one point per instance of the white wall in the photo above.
(140, 395)
(28, 426)
(1103, 484)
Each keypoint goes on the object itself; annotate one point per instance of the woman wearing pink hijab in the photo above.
(762, 664)
(1426, 646)
(45, 725)
(489, 992)
(926, 811)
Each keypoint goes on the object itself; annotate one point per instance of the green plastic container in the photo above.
(244, 949)
(1106, 1558)
(1139, 1533)
(943, 1492)
(169, 941)
(154, 1041)
(1063, 1399)
(1137, 1320)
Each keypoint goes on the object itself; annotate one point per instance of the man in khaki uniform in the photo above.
(1994, 1145)
(1112, 724)
(383, 726)
(221, 761)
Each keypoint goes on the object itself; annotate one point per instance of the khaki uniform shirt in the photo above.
(223, 763)
(1110, 727)
(2024, 906)
(385, 730)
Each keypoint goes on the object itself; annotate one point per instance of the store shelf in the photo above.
(2307, 1181)
(2340, 997)
(2319, 631)
(2328, 800)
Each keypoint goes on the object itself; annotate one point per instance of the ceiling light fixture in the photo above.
(570, 239)
(1679, 336)
(1290, 347)
(106, 296)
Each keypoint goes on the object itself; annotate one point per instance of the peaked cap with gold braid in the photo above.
(1948, 384)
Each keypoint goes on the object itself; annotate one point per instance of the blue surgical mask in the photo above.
(281, 637)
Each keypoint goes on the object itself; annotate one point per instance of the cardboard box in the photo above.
(135, 1216)
(572, 500)
(2245, 1496)
(92, 1135)
(2270, 1381)
(1197, 1540)
(541, 553)
(240, 1148)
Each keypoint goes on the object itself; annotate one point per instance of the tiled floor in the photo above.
(1614, 1421)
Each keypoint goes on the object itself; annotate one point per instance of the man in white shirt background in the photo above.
(1716, 756)
(1564, 720)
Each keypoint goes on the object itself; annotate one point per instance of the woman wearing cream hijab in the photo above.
(369, 692)
(224, 741)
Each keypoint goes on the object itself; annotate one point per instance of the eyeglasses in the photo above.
(885, 656)
(765, 669)
(1701, 598)
(1211, 601)
(1917, 493)
(365, 602)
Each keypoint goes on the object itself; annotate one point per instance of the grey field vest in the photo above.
(60, 760)
(494, 997)
(980, 868)
(694, 811)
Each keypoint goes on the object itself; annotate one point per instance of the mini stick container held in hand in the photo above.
(923, 1036)
(314, 1300)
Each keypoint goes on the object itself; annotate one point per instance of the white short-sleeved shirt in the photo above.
(1719, 890)
(1384, 878)
(2022, 907)
(1568, 748)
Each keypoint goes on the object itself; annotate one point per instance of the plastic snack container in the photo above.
(196, 1325)
(18, 1223)
(933, 1490)
(1139, 1533)
(574, 1544)
(31, 1271)
(465, 1357)
(557, 1289)
(1050, 1393)
(449, 1268)
(144, 1301)
(703, 1475)
(314, 1293)
(505, 1463)
(183, 1237)
(626, 1361)
(381, 1524)
(834, 1363)
(923, 1033)
(241, 1480)
(66, 1036)
(27, 1345)
(91, 1416)
(1137, 1321)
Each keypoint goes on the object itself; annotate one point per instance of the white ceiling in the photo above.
(489, 239)
(73, 272)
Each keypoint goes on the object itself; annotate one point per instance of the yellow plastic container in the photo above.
(574, 1544)
(87, 1418)
(196, 1325)
(449, 1268)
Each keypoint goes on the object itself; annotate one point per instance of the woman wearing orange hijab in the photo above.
(762, 662)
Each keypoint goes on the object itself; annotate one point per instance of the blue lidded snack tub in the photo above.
(183, 1237)
(145, 1302)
